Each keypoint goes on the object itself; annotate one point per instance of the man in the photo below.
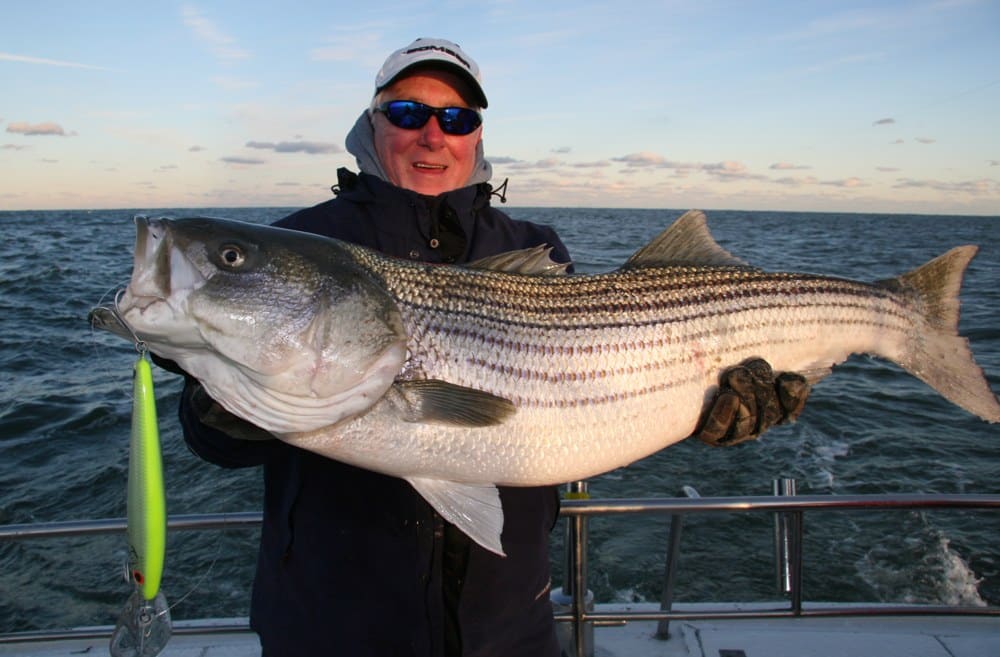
(356, 563)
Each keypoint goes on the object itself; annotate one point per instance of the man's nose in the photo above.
(431, 134)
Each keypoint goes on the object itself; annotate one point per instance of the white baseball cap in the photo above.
(433, 52)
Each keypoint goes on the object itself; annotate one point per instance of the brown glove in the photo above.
(213, 415)
(751, 400)
(167, 364)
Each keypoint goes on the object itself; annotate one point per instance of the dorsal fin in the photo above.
(534, 260)
(686, 242)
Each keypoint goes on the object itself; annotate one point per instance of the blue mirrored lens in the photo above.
(411, 115)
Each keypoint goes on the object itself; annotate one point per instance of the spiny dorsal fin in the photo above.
(686, 242)
(439, 402)
(535, 260)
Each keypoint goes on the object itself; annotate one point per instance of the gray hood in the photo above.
(361, 144)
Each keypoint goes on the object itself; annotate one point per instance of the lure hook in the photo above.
(140, 345)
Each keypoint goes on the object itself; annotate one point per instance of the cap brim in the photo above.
(474, 87)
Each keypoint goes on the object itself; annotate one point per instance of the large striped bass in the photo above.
(459, 378)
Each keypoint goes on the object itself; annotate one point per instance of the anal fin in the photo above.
(473, 508)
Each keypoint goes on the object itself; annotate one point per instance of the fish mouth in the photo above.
(160, 271)
(162, 278)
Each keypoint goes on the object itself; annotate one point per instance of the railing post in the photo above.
(788, 546)
(670, 570)
(573, 596)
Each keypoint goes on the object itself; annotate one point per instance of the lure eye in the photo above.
(232, 256)
(137, 576)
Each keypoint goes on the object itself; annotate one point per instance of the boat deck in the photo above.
(828, 636)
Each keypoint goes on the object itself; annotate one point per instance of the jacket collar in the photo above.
(425, 212)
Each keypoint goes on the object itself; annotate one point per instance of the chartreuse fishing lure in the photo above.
(143, 627)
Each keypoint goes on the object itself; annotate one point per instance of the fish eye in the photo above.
(232, 256)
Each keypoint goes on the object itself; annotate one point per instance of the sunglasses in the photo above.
(411, 115)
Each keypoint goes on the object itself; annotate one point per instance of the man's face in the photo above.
(426, 160)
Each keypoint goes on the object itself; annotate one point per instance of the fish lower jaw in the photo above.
(294, 412)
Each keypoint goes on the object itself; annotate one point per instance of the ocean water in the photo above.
(869, 428)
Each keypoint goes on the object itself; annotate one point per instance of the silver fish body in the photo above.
(461, 378)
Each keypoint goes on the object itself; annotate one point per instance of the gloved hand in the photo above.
(167, 364)
(211, 414)
(750, 400)
(207, 410)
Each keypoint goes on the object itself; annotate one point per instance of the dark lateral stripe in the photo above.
(610, 398)
(645, 290)
(682, 312)
(521, 370)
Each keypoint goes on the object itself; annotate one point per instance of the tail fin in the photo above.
(941, 358)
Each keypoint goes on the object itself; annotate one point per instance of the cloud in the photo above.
(884, 122)
(926, 140)
(847, 21)
(845, 183)
(848, 183)
(502, 159)
(242, 160)
(973, 187)
(725, 170)
(547, 163)
(36, 129)
(349, 47)
(788, 166)
(591, 165)
(898, 141)
(221, 44)
(562, 150)
(993, 163)
(731, 170)
(728, 167)
(887, 169)
(12, 147)
(196, 149)
(643, 159)
(310, 147)
(797, 182)
(26, 59)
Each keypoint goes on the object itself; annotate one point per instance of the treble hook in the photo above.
(140, 345)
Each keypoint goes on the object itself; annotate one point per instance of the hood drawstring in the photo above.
(346, 181)
(501, 191)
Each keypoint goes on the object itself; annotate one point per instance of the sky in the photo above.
(837, 106)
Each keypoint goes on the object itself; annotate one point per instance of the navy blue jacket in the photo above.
(356, 563)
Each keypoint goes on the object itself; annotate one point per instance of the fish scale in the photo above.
(459, 379)
(456, 334)
(633, 354)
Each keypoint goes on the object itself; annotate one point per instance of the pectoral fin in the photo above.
(473, 508)
(440, 402)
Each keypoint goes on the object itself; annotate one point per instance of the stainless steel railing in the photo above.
(578, 511)
(789, 510)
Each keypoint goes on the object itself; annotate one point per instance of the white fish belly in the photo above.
(591, 400)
